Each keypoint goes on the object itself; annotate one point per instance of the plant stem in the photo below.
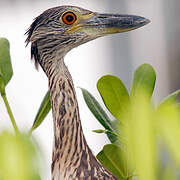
(10, 113)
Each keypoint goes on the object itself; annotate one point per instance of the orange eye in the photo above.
(69, 18)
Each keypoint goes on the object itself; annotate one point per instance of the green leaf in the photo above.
(105, 131)
(5, 61)
(99, 131)
(44, 109)
(97, 110)
(114, 94)
(170, 99)
(113, 158)
(18, 157)
(144, 78)
(112, 135)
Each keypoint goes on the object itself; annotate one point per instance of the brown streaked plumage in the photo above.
(52, 34)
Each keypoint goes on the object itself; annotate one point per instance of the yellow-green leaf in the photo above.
(114, 94)
(170, 99)
(139, 132)
(168, 126)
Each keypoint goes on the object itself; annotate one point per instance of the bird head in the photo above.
(62, 28)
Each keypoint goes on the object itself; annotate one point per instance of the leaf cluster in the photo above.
(139, 128)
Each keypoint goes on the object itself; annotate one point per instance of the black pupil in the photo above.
(69, 18)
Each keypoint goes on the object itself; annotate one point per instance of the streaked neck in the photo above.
(69, 141)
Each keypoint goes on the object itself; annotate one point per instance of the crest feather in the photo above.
(34, 50)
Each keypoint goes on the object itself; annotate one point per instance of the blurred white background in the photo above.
(157, 43)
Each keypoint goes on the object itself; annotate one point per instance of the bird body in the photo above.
(54, 33)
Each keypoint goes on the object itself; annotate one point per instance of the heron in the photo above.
(52, 35)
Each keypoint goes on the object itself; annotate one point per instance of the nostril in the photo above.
(102, 17)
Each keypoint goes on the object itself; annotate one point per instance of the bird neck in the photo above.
(71, 157)
(69, 142)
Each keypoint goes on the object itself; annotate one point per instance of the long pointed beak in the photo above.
(119, 22)
(114, 23)
(97, 25)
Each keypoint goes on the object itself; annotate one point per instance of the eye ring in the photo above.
(69, 18)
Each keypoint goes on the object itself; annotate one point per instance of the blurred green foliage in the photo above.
(18, 157)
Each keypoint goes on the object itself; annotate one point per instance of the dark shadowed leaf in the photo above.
(113, 158)
(97, 110)
(42, 112)
(114, 94)
(5, 61)
(144, 78)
